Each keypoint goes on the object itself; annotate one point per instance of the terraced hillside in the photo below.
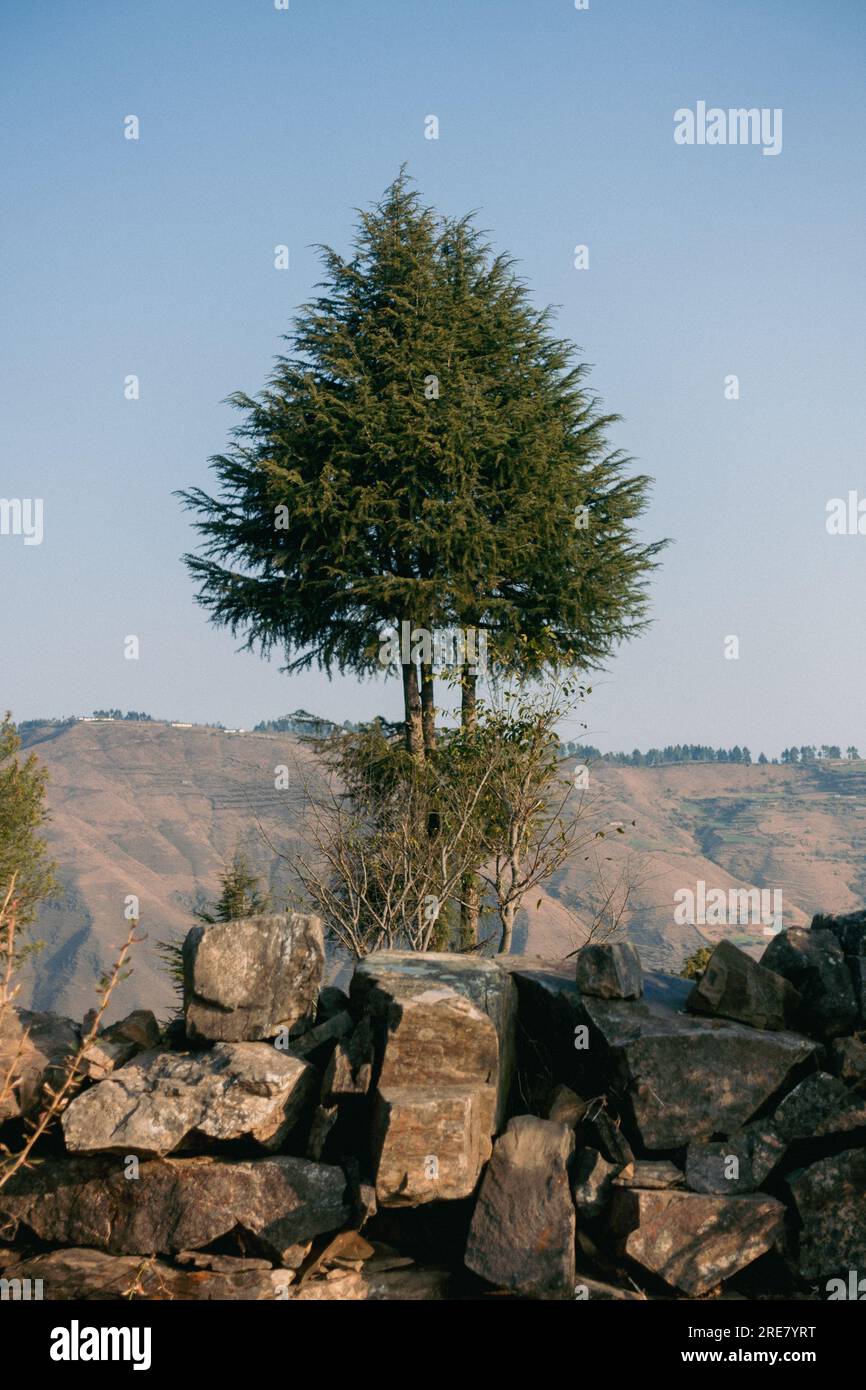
(155, 811)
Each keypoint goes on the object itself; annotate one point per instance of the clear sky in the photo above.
(261, 127)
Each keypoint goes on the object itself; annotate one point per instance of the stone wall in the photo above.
(455, 1127)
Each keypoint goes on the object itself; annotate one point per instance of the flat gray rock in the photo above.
(162, 1101)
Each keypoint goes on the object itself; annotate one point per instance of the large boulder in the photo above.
(829, 1197)
(162, 1101)
(88, 1275)
(849, 928)
(681, 1077)
(169, 1205)
(609, 970)
(429, 1035)
(415, 1034)
(735, 986)
(814, 963)
(553, 1018)
(691, 1241)
(252, 978)
(429, 1143)
(522, 1232)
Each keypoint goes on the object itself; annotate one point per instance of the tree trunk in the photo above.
(470, 888)
(412, 705)
(428, 708)
(505, 939)
(468, 700)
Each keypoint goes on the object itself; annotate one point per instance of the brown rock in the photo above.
(735, 1165)
(566, 1107)
(436, 1045)
(522, 1232)
(176, 1204)
(611, 970)
(849, 1058)
(350, 1067)
(104, 1055)
(593, 1176)
(820, 1105)
(682, 1077)
(40, 1045)
(430, 1144)
(337, 1026)
(93, 1275)
(735, 986)
(140, 1027)
(693, 1242)
(650, 1174)
(409, 1284)
(832, 1209)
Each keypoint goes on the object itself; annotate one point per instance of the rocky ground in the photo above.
(454, 1128)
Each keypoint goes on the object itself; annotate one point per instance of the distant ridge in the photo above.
(152, 809)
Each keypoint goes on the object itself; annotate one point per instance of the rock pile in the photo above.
(455, 1127)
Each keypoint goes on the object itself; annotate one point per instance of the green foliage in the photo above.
(389, 841)
(23, 816)
(489, 799)
(694, 967)
(422, 454)
(241, 894)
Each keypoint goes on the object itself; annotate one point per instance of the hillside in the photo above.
(155, 811)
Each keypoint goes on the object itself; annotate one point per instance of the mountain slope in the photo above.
(156, 811)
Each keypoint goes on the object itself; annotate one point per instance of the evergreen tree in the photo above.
(241, 894)
(428, 453)
(26, 873)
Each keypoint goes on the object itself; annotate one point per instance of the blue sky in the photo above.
(260, 127)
